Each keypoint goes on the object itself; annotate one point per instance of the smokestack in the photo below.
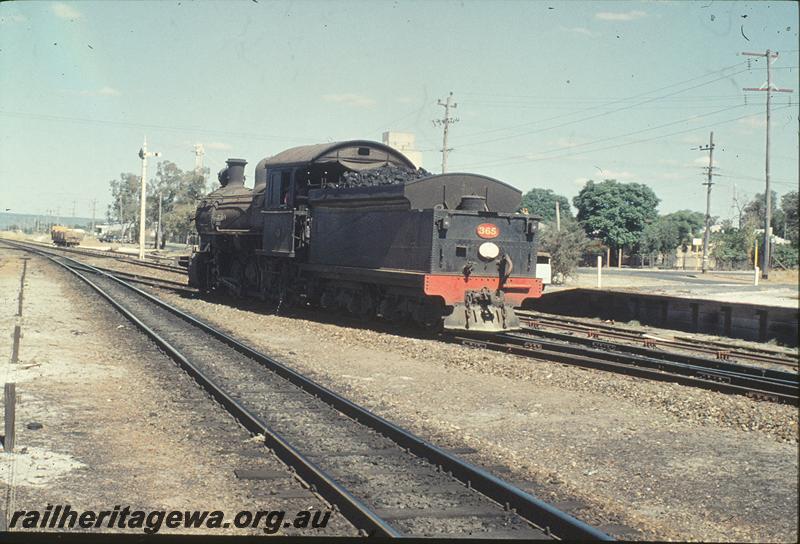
(233, 174)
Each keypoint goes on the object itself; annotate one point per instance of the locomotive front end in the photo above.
(484, 265)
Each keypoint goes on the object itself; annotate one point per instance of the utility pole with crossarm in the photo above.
(708, 184)
(143, 154)
(769, 88)
(446, 122)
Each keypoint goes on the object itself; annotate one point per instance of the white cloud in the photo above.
(222, 146)
(620, 15)
(580, 182)
(65, 11)
(350, 99)
(102, 91)
(578, 30)
(621, 175)
(13, 18)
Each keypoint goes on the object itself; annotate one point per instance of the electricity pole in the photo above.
(198, 158)
(769, 56)
(94, 207)
(558, 216)
(708, 184)
(446, 122)
(158, 228)
(143, 154)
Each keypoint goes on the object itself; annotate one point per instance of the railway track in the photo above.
(717, 349)
(382, 478)
(721, 376)
(109, 255)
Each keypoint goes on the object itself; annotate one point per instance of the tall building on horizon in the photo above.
(405, 142)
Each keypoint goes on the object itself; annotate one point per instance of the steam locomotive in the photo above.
(355, 226)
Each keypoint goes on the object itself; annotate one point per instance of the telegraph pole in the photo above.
(94, 208)
(198, 158)
(769, 88)
(446, 122)
(708, 184)
(143, 154)
(158, 229)
(558, 216)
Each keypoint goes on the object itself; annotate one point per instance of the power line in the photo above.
(651, 99)
(693, 129)
(198, 130)
(610, 138)
(734, 65)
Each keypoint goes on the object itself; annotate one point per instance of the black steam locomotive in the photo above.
(356, 226)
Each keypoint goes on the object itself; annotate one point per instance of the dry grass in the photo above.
(782, 276)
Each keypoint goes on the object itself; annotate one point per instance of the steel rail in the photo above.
(723, 349)
(788, 388)
(146, 280)
(89, 252)
(534, 510)
(778, 376)
(537, 512)
(631, 365)
(689, 344)
(360, 515)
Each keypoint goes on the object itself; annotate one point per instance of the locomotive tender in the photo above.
(355, 226)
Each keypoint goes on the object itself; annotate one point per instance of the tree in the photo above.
(660, 236)
(542, 203)
(755, 213)
(617, 213)
(790, 212)
(731, 246)
(688, 225)
(565, 247)
(178, 191)
(124, 207)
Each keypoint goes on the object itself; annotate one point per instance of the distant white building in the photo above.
(405, 142)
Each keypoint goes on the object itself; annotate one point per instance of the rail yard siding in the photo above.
(733, 320)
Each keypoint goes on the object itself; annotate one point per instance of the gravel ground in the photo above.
(120, 423)
(639, 459)
(370, 466)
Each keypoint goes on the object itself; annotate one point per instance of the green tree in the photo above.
(755, 213)
(688, 224)
(660, 236)
(542, 203)
(124, 207)
(790, 212)
(616, 213)
(565, 247)
(785, 255)
(731, 247)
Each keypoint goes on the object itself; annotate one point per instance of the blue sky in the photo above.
(549, 94)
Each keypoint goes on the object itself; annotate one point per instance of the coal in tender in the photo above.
(385, 175)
